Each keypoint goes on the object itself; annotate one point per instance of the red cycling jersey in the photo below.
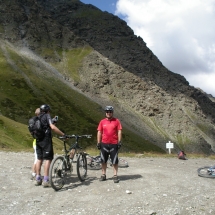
(109, 129)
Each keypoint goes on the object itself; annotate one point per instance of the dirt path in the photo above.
(166, 186)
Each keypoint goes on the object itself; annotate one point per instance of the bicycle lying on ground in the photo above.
(94, 162)
(207, 171)
(62, 166)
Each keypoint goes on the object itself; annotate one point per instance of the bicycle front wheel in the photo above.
(57, 173)
(82, 167)
(205, 172)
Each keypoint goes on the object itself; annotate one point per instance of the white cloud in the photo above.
(203, 81)
(180, 33)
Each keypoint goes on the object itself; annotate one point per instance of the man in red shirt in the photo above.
(109, 137)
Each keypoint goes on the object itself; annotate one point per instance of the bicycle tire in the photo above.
(82, 167)
(57, 173)
(122, 163)
(203, 172)
(92, 164)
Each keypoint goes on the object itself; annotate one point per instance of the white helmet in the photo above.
(109, 108)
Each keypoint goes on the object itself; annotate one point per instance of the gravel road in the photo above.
(161, 186)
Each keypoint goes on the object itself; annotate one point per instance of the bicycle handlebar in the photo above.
(75, 136)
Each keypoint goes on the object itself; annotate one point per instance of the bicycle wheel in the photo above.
(122, 163)
(57, 173)
(82, 167)
(93, 163)
(205, 172)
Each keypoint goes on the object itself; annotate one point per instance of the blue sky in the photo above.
(180, 33)
(104, 5)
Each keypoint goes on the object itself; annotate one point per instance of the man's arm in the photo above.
(56, 130)
(119, 135)
(99, 137)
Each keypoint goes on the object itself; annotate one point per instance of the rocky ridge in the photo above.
(150, 100)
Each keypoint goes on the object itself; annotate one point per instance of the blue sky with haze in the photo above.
(180, 33)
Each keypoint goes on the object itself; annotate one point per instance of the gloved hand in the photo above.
(65, 136)
(55, 119)
(119, 144)
(99, 146)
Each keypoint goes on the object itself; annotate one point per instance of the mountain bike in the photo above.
(94, 162)
(61, 167)
(207, 171)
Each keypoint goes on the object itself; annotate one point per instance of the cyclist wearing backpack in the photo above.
(44, 147)
(33, 174)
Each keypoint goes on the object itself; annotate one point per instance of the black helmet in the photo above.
(109, 108)
(44, 108)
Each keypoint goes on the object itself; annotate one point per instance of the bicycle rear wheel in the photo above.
(205, 172)
(122, 163)
(57, 173)
(93, 163)
(82, 167)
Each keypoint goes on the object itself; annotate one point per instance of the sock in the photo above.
(33, 174)
(46, 178)
(38, 178)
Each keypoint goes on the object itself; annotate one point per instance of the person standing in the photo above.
(33, 174)
(44, 147)
(109, 136)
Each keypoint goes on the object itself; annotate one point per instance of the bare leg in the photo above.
(34, 169)
(38, 166)
(35, 161)
(46, 167)
(115, 169)
(104, 167)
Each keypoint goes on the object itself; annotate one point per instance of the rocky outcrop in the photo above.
(120, 70)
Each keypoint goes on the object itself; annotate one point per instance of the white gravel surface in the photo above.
(151, 186)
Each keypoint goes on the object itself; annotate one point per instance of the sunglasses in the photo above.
(109, 111)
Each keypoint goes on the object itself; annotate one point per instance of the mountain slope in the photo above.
(97, 54)
(27, 81)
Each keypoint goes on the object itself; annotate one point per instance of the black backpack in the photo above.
(36, 128)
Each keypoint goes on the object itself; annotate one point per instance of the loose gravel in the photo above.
(149, 186)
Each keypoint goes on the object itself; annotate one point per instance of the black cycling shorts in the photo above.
(109, 150)
(44, 149)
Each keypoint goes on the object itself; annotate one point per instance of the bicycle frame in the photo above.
(74, 145)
